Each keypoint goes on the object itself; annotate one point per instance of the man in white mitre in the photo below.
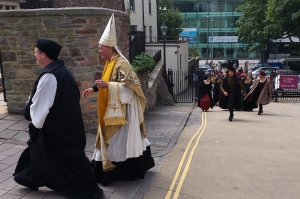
(122, 151)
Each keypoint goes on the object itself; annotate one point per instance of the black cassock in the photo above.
(55, 154)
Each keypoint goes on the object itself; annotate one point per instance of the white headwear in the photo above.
(109, 37)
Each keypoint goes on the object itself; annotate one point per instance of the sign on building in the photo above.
(223, 39)
(189, 34)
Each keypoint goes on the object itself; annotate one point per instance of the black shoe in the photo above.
(230, 119)
(259, 113)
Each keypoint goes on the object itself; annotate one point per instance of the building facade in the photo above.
(209, 25)
(143, 17)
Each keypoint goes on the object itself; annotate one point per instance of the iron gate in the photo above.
(183, 86)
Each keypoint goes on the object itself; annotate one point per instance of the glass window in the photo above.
(149, 6)
(6, 7)
(150, 33)
(132, 5)
(133, 27)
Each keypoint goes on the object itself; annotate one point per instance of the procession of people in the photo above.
(234, 90)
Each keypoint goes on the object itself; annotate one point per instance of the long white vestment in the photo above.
(128, 141)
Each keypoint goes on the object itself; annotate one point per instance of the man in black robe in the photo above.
(55, 154)
(231, 87)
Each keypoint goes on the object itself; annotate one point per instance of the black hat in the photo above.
(50, 48)
(230, 68)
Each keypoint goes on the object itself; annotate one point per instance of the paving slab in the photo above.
(8, 133)
(13, 117)
(5, 146)
(8, 184)
(10, 160)
(4, 176)
(5, 124)
(19, 190)
(22, 125)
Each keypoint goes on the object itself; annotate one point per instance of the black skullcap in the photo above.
(230, 68)
(50, 48)
(206, 76)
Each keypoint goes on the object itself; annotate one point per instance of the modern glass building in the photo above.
(209, 25)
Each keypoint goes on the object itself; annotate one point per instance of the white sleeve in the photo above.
(43, 99)
(125, 94)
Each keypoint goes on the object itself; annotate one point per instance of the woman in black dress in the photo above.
(248, 106)
(205, 98)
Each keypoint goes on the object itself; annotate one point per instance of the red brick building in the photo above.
(35, 4)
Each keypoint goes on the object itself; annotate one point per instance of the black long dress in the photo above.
(55, 154)
(233, 87)
(248, 106)
(205, 89)
(216, 92)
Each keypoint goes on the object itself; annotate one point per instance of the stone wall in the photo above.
(109, 4)
(155, 88)
(78, 30)
(115, 4)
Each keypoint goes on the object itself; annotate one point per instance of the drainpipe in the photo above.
(143, 16)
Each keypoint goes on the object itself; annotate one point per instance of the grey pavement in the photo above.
(164, 125)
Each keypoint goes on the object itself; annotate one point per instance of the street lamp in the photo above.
(207, 39)
(164, 30)
(212, 35)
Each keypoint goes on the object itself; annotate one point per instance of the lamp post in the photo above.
(212, 35)
(164, 30)
(207, 39)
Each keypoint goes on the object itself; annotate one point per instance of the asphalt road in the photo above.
(255, 156)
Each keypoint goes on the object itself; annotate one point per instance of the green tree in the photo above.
(171, 17)
(284, 16)
(265, 20)
(193, 51)
(251, 24)
(143, 63)
(168, 4)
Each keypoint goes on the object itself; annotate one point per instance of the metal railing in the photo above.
(157, 57)
(184, 90)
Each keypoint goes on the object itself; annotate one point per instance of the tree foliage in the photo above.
(264, 20)
(143, 63)
(193, 51)
(171, 17)
(168, 4)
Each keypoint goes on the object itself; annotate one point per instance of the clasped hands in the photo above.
(101, 84)
(226, 94)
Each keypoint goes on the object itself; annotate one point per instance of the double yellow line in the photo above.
(190, 157)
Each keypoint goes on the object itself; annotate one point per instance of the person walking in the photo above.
(260, 92)
(205, 98)
(216, 90)
(247, 106)
(55, 155)
(122, 150)
(231, 87)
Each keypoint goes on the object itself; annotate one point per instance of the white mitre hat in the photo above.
(109, 37)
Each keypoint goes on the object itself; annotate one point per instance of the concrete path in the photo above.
(164, 125)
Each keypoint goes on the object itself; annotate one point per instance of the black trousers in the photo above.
(260, 108)
(231, 113)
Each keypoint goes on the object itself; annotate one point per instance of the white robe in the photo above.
(128, 141)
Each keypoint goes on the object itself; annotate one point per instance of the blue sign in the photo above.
(190, 34)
